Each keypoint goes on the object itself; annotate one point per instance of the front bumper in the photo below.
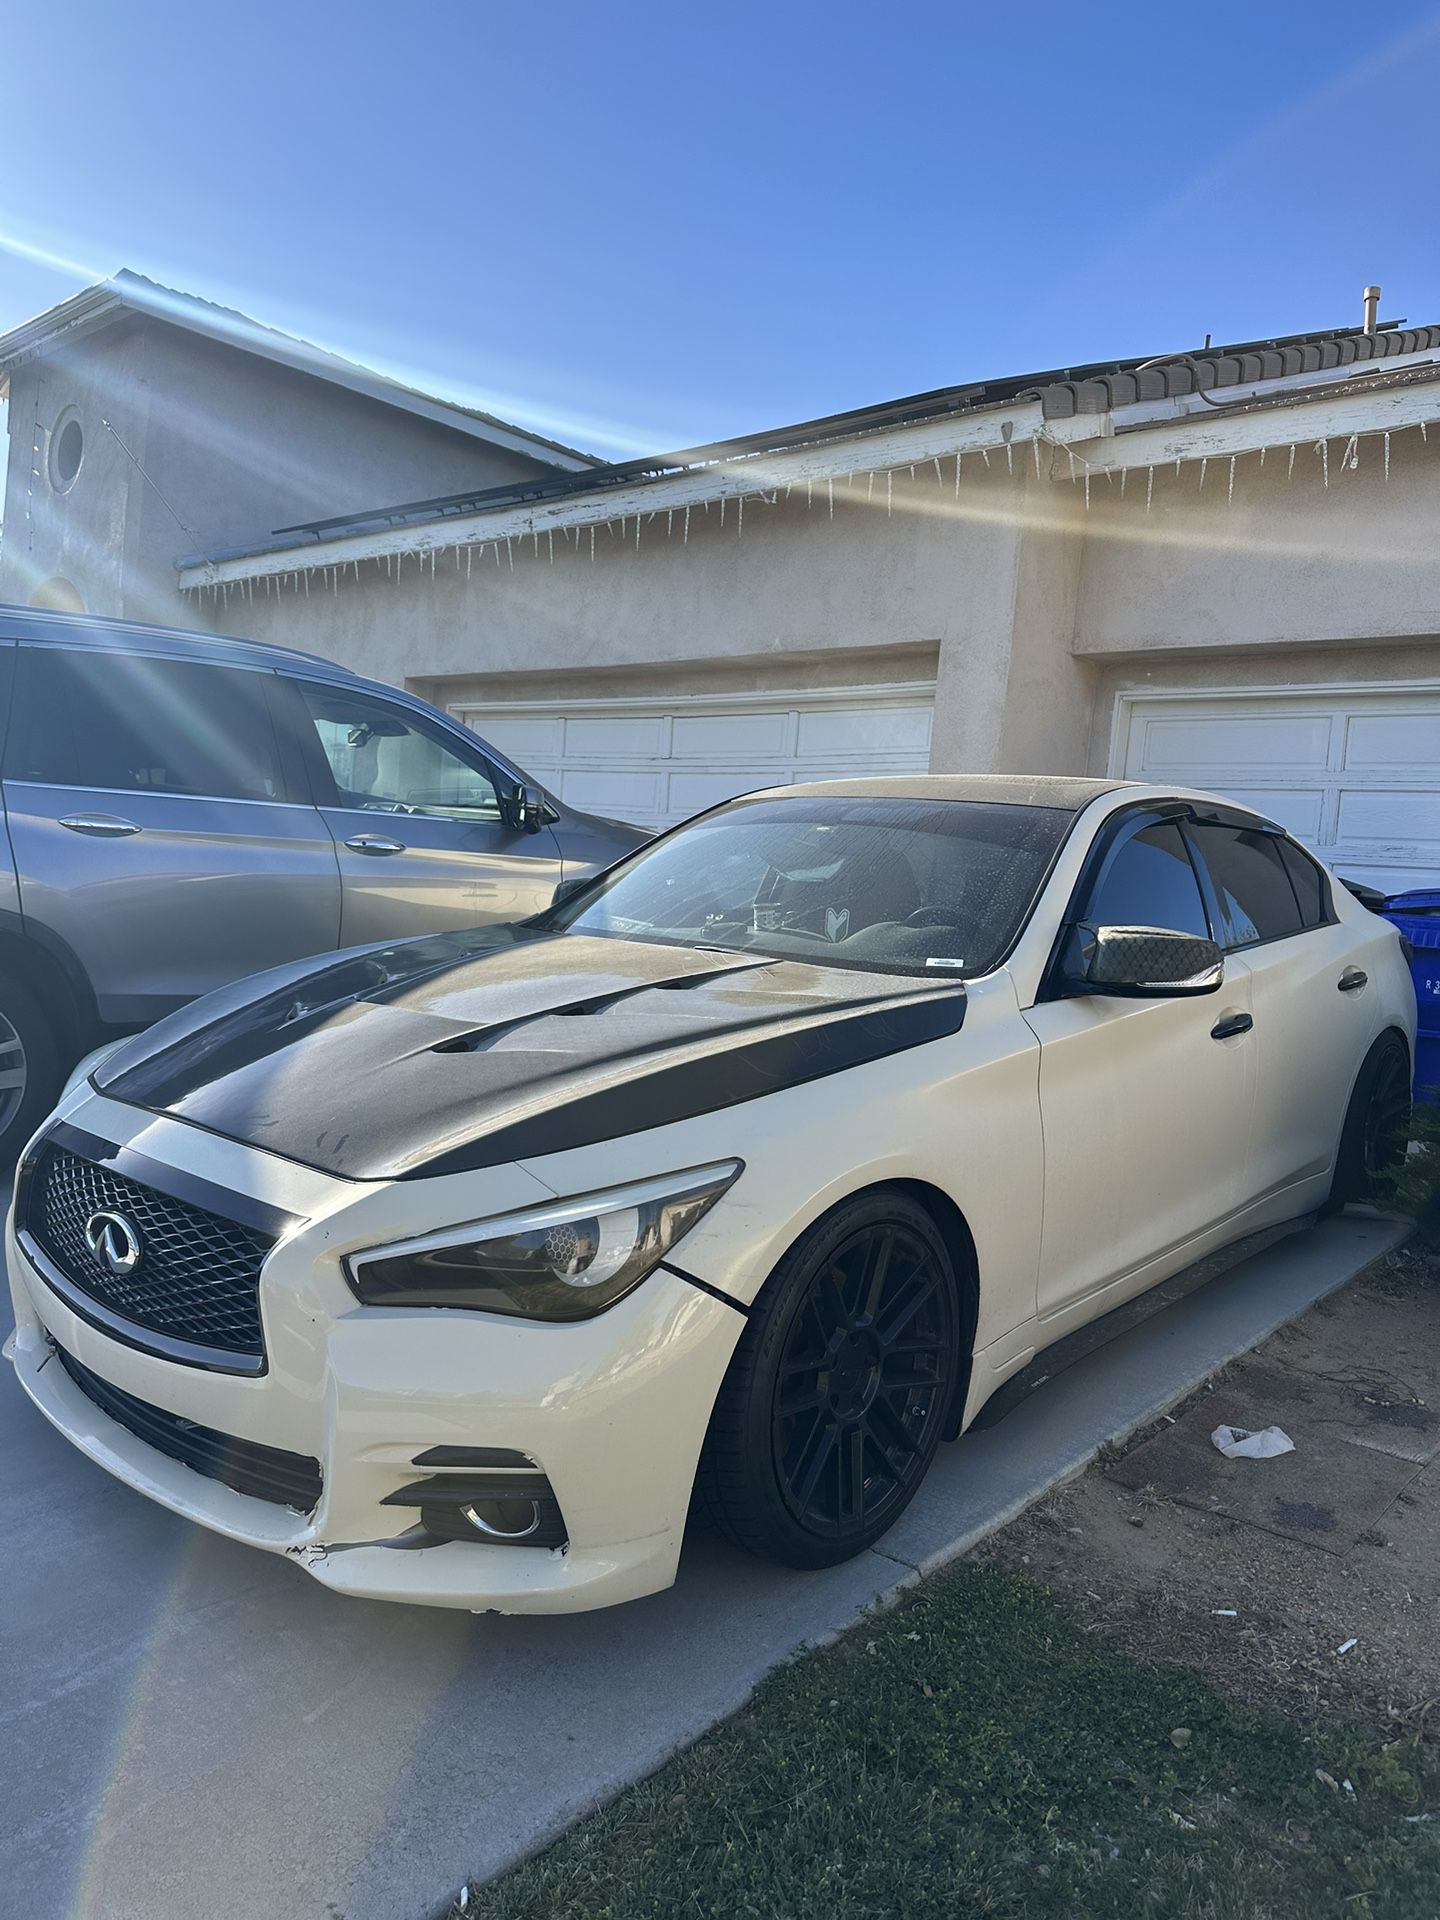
(613, 1411)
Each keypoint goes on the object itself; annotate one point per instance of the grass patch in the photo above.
(974, 1751)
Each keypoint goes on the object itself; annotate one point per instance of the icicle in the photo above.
(1387, 456)
(535, 543)
(959, 459)
(722, 509)
(357, 565)
(1350, 458)
(433, 557)
(1424, 436)
(1290, 470)
(497, 556)
(1149, 486)
(307, 583)
(1087, 489)
(1177, 466)
(509, 553)
(870, 487)
(1035, 447)
(550, 543)
(939, 477)
(1124, 476)
(985, 455)
(1069, 456)
(1203, 465)
(1230, 489)
(889, 491)
(335, 582)
(669, 522)
(685, 541)
(1322, 447)
(592, 543)
(1262, 459)
(830, 492)
(1009, 458)
(809, 493)
(637, 533)
(469, 557)
(740, 517)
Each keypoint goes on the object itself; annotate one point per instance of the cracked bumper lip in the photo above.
(613, 1409)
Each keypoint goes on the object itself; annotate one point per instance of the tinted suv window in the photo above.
(1150, 882)
(114, 720)
(385, 760)
(1257, 901)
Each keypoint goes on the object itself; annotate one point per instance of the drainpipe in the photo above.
(1372, 308)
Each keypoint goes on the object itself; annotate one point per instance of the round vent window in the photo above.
(67, 450)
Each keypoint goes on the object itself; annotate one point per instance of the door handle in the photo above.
(1352, 979)
(104, 826)
(1232, 1024)
(374, 843)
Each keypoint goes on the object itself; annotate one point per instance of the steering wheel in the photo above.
(932, 917)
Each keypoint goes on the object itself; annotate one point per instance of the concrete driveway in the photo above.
(194, 1728)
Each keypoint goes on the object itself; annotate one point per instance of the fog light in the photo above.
(504, 1519)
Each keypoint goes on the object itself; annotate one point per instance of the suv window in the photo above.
(132, 724)
(1150, 882)
(385, 760)
(1257, 901)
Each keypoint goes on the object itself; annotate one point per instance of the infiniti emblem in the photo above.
(113, 1241)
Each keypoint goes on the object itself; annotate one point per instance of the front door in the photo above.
(1145, 1104)
(155, 826)
(416, 821)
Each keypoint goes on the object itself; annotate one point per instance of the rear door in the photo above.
(1312, 1005)
(416, 819)
(157, 825)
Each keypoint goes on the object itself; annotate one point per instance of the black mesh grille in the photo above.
(265, 1473)
(198, 1275)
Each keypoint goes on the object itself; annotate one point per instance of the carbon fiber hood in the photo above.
(460, 1051)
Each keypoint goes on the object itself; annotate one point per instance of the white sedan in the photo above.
(455, 1269)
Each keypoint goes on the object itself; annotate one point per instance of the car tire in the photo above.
(27, 1047)
(840, 1387)
(1376, 1129)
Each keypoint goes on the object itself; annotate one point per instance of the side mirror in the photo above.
(1143, 963)
(522, 808)
(567, 889)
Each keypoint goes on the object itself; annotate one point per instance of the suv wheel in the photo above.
(30, 1071)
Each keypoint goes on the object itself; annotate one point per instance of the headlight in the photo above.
(565, 1261)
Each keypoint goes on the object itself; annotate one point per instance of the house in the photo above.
(1217, 568)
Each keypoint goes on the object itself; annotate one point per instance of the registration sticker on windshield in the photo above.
(945, 962)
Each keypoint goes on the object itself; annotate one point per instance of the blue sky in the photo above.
(645, 224)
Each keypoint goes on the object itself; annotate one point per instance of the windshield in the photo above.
(893, 885)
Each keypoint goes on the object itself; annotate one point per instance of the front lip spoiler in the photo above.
(163, 1346)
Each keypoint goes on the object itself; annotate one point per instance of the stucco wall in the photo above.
(235, 447)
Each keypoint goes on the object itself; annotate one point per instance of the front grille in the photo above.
(198, 1275)
(265, 1473)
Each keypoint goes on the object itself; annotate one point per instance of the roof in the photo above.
(40, 623)
(1063, 393)
(130, 292)
(1000, 789)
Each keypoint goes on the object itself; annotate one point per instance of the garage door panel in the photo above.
(886, 730)
(1299, 810)
(1389, 740)
(1390, 818)
(690, 792)
(1238, 740)
(528, 741)
(623, 737)
(611, 790)
(731, 736)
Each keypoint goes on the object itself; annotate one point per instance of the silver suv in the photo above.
(182, 810)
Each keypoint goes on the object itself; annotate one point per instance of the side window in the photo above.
(1308, 882)
(385, 760)
(1257, 901)
(1149, 882)
(131, 724)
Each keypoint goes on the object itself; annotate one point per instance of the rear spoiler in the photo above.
(1370, 897)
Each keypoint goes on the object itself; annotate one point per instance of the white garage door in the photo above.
(658, 762)
(1354, 775)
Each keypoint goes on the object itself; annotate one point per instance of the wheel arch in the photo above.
(45, 964)
(954, 1230)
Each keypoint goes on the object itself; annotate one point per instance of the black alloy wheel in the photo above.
(1377, 1124)
(840, 1387)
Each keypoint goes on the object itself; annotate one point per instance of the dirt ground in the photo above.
(1260, 1572)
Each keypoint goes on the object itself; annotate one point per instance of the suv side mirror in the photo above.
(1143, 963)
(522, 808)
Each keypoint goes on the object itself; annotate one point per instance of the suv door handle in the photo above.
(1232, 1024)
(105, 826)
(1352, 979)
(374, 843)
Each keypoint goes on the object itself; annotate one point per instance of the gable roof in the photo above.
(128, 292)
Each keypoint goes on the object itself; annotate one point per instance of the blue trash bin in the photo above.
(1417, 915)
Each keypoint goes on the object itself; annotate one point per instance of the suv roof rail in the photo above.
(44, 623)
